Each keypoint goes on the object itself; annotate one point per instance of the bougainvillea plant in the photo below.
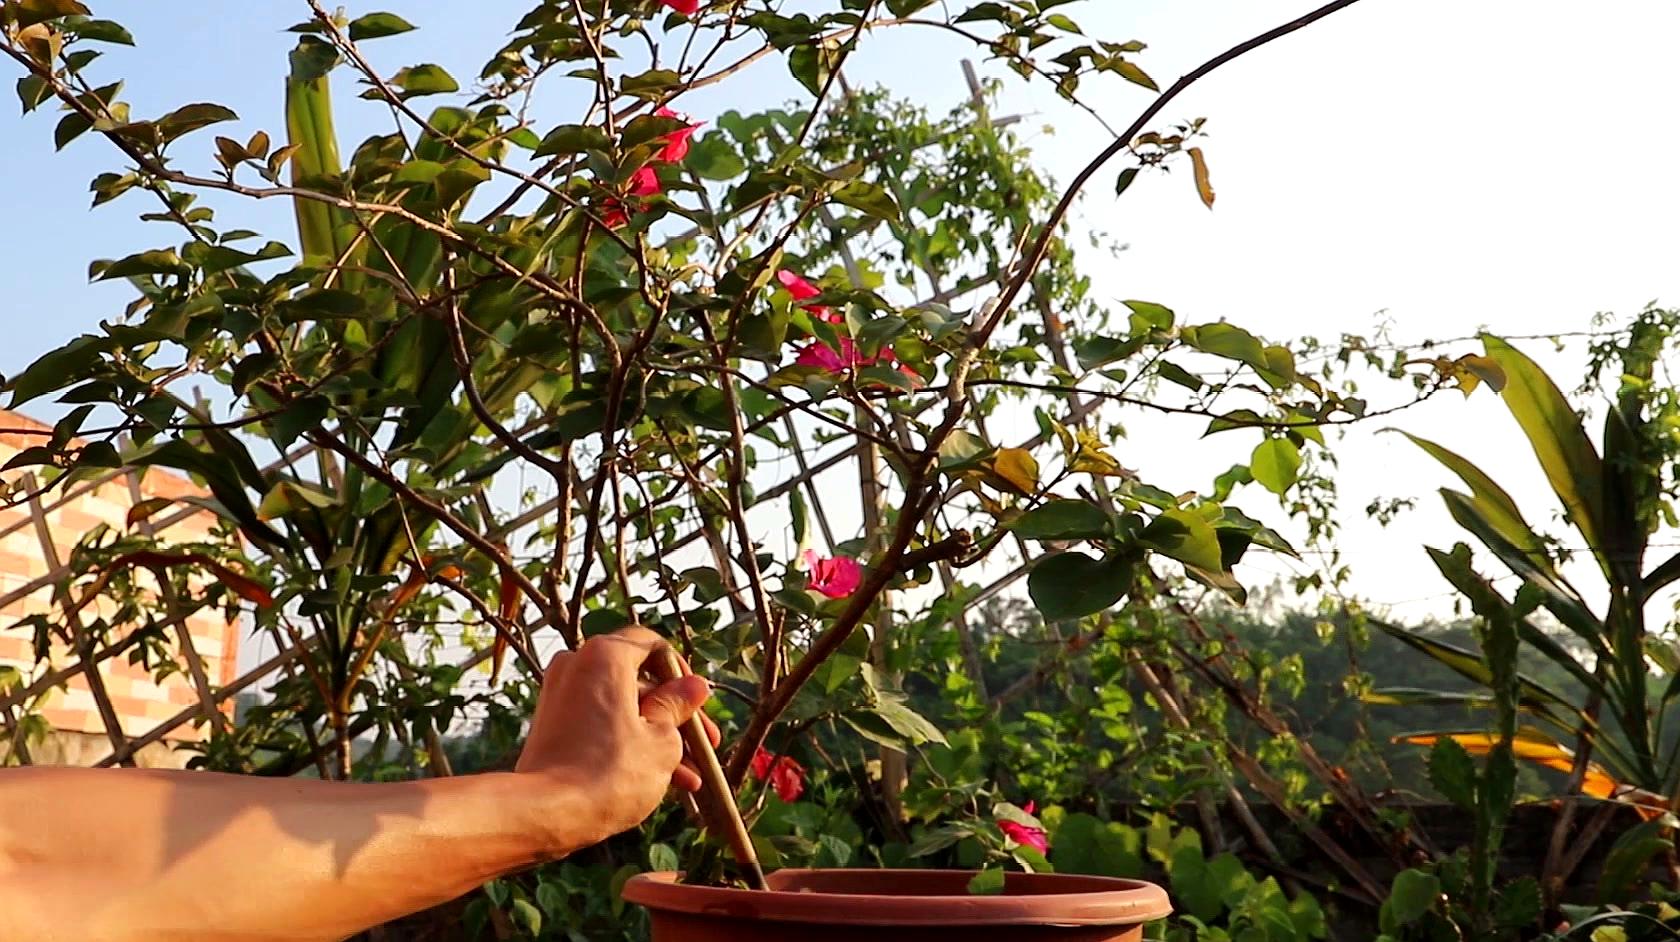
(771, 384)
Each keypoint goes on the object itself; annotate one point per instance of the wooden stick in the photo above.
(715, 801)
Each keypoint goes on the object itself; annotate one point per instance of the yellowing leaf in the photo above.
(1013, 469)
(1530, 746)
(1092, 458)
(1204, 188)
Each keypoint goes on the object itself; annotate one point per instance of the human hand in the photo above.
(602, 729)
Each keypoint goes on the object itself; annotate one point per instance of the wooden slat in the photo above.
(78, 633)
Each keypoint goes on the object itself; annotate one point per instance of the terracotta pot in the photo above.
(893, 905)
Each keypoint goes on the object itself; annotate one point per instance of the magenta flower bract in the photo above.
(836, 578)
(677, 142)
(1025, 834)
(784, 773)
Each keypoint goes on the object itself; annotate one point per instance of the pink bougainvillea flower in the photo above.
(803, 290)
(644, 182)
(784, 773)
(677, 142)
(797, 286)
(836, 362)
(612, 213)
(1025, 834)
(821, 356)
(836, 578)
(685, 7)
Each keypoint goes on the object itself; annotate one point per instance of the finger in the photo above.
(673, 703)
(618, 657)
(712, 731)
(686, 778)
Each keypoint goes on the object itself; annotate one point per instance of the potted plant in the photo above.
(648, 315)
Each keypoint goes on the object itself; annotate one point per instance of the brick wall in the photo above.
(139, 701)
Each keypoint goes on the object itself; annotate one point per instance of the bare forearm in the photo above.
(123, 855)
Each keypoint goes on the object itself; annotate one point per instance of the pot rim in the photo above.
(1120, 902)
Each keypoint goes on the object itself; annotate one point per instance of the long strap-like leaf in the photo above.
(322, 229)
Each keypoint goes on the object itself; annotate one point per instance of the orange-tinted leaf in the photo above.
(1204, 187)
(507, 608)
(408, 590)
(243, 586)
(239, 584)
(144, 510)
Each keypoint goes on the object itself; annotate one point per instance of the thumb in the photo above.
(675, 702)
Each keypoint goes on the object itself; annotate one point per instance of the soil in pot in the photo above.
(900, 906)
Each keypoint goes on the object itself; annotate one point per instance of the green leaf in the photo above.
(377, 25)
(32, 456)
(812, 64)
(1083, 843)
(527, 916)
(1125, 180)
(524, 138)
(1518, 905)
(299, 417)
(1533, 565)
(288, 497)
(1228, 341)
(1063, 520)
(1629, 855)
(1186, 537)
(98, 455)
(552, 898)
(662, 859)
(650, 84)
(1275, 464)
(417, 80)
(103, 31)
(914, 727)
(1453, 773)
(30, 12)
(988, 882)
(713, 158)
(1094, 352)
(877, 333)
(1413, 893)
(1130, 71)
(189, 118)
(152, 262)
(869, 198)
(70, 127)
(108, 187)
(573, 139)
(1147, 315)
(1073, 585)
(1555, 433)
(1173, 373)
(58, 368)
(1491, 500)
(1470, 665)
(31, 91)
(961, 451)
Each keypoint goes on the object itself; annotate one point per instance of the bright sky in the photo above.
(1497, 163)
